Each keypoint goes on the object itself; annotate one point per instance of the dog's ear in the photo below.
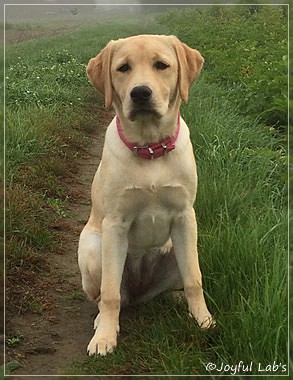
(99, 72)
(190, 63)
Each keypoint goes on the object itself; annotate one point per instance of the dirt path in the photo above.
(51, 340)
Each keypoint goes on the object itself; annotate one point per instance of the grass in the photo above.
(241, 205)
(255, 55)
(177, 352)
(243, 222)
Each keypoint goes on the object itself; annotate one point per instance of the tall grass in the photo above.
(241, 208)
(28, 136)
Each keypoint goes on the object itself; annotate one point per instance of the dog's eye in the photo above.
(123, 68)
(161, 65)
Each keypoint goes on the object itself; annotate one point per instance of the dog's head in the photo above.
(145, 75)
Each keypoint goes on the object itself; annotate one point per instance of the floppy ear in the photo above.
(99, 72)
(190, 63)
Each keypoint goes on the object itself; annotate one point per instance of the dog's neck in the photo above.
(151, 150)
(149, 129)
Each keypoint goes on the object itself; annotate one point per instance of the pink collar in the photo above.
(152, 150)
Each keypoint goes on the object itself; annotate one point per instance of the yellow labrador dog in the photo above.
(141, 237)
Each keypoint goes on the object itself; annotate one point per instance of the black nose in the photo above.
(141, 94)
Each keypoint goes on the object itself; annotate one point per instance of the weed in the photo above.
(58, 205)
(35, 307)
(77, 296)
(14, 340)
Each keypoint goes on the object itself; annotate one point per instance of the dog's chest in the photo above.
(151, 210)
(153, 197)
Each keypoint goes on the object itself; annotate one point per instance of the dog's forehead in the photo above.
(144, 45)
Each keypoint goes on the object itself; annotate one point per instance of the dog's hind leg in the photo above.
(90, 262)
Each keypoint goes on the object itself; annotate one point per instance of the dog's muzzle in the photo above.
(142, 104)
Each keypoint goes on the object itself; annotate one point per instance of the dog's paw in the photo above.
(102, 343)
(203, 318)
(100, 347)
(207, 322)
(167, 247)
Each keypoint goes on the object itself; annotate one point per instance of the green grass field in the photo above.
(238, 129)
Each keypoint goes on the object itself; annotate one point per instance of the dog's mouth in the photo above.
(143, 112)
(142, 105)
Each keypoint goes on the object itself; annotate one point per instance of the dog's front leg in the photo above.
(184, 238)
(114, 251)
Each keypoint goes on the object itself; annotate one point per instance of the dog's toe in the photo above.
(100, 345)
(203, 318)
(208, 323)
